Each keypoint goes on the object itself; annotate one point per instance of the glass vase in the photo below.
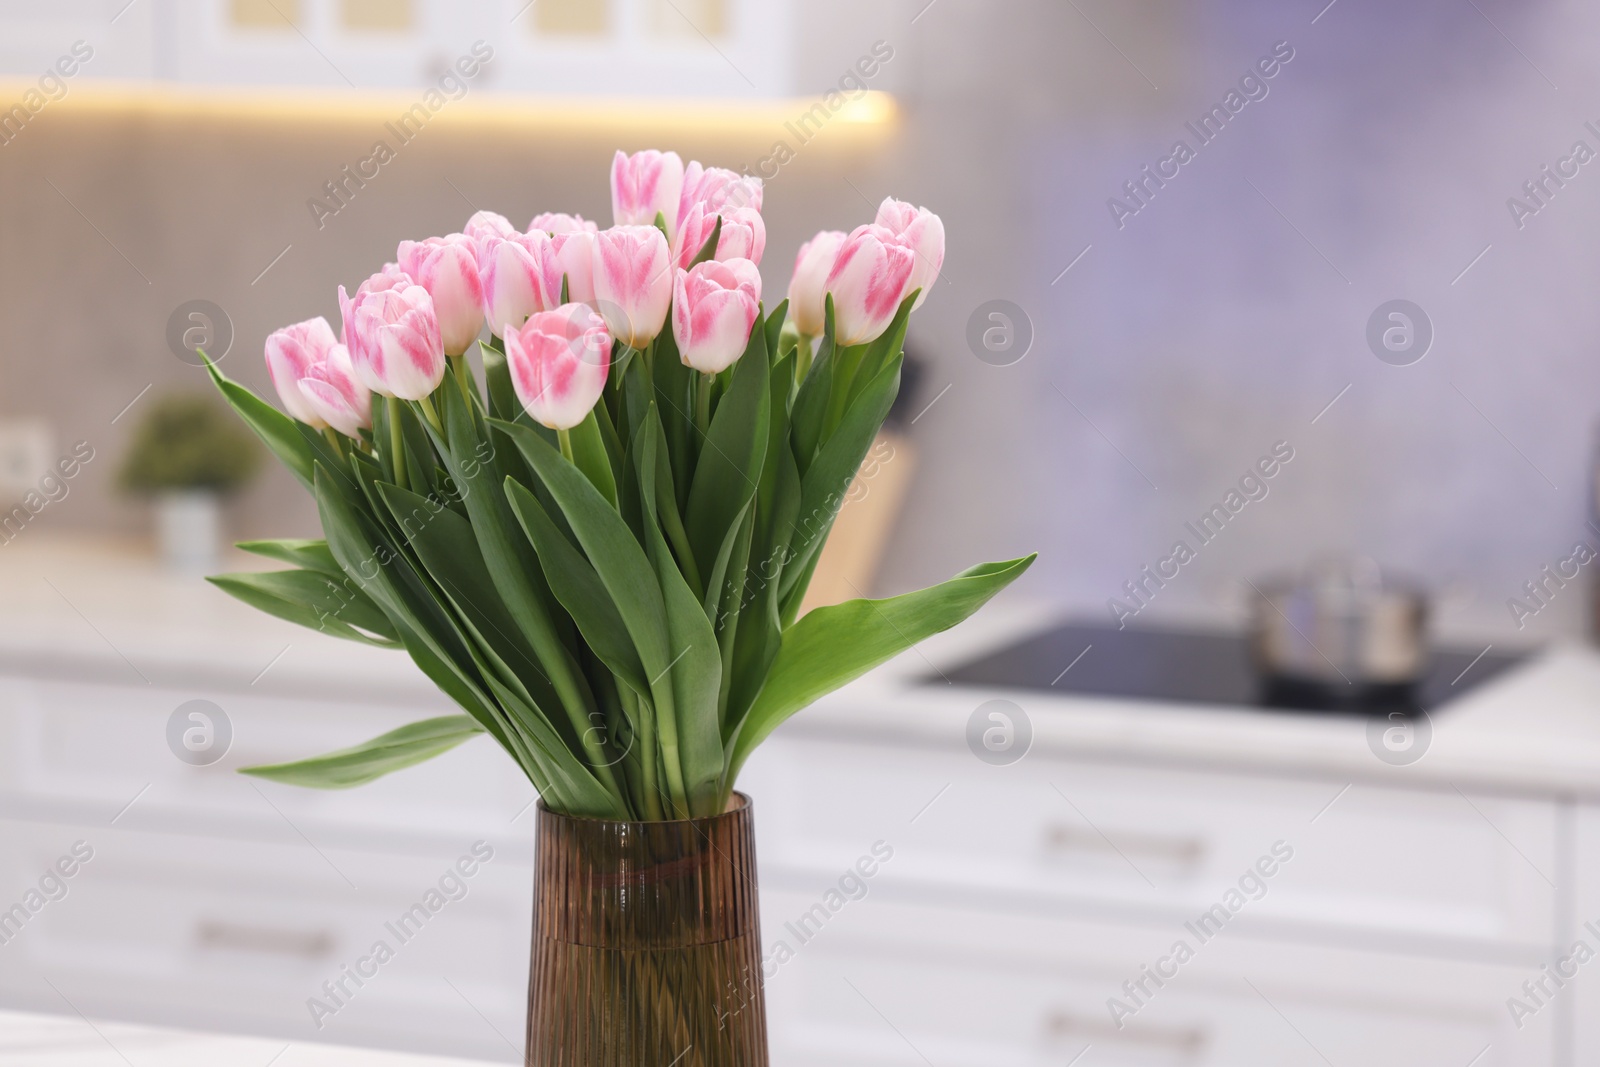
(646, 943)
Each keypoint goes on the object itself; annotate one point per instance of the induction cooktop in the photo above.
(1206, 667)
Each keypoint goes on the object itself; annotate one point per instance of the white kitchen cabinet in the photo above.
(690, 49)
(120, 37)
(1011, 905)
(892, 983)
(87, 750)
(243, 935)
(219, 901)
(1395, 869)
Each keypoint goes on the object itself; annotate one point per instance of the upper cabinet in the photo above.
(596, 48)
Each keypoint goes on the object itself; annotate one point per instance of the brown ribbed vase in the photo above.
(646, 943)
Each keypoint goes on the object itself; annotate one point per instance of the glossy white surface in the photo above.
(72, 1041)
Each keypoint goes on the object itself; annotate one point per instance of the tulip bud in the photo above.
(520, 275)
(718, 190)
(714, 306)
(395, 344)
(291, 352)
(575, 253)
(330, 387)
(923, 232)
(869, 279)
(558, 361)
(448, 268)
(646, 184)
(633, 282)
(555, 222)
(808, 287)
(744, 235)
(486, 224)
(694, 230)
(390, 277)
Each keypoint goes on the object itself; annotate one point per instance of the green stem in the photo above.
(702, 402)
(426, 403)
(333, 439)
(464, 379)
(645, 746)
(672, 767)
(396, 444)
(802, 359)
(565, 437)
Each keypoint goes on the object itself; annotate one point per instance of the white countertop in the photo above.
(72, 1041)
(109, 612)
(98, 611)
(1534, 730)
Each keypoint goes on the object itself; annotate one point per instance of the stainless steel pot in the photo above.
(1340, 624)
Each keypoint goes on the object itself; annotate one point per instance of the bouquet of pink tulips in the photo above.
(599, 552)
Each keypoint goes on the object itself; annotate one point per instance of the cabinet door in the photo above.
(279, 938)
(1389, 868)
(94, 753)
(884, 983)
(91, 38)
(221, 901)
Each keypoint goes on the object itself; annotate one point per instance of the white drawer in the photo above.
(87, 750)
(896, 985)
(1142, 844)
(184, 932)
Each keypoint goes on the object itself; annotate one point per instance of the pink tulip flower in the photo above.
(390, 277)
(448, 268)
(330, 387)
(633, 282)
(923, 232)
(394, 341)
(555, 222)
(575, 253)
(485, 224)
(744, 235)
(714, 306)
(558, 361)
(520, 275)
(718, 190)
(646, 184)
(291, 352)
(869, 279)
(808, 287)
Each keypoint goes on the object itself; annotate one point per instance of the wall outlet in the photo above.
(27, 454)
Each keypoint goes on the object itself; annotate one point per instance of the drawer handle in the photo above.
(302, 944)
(1183, 852)
(1187, 1042)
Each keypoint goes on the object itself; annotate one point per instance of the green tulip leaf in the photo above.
(317, 601)
(834, 645)
(370, 760)
(297, 552)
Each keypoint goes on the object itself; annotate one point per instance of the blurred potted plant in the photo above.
(187, 454)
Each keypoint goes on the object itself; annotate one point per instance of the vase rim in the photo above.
(738, 803)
